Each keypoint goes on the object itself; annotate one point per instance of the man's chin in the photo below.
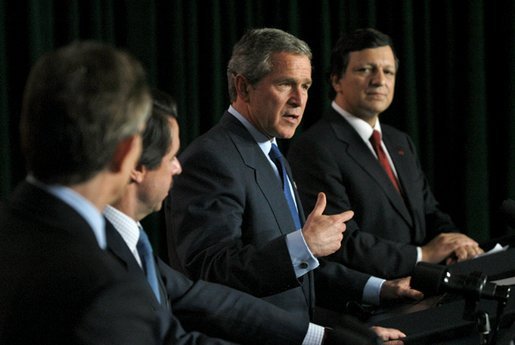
(158, 208)
(286, 134)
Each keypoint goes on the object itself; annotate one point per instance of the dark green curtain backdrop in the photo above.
(454, 95)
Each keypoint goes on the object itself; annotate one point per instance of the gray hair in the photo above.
(252, 54)
(80, 102)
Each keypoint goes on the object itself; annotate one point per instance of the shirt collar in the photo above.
(265, 143)
(362, 127)
(127, 227)
(80, 204)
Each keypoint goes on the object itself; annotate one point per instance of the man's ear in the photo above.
(242, 87)
(138, 173)
(334, 82)
(125, 154)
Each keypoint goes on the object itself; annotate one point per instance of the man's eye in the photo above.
(365, 69)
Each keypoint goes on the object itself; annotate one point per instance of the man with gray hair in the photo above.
(235, 217)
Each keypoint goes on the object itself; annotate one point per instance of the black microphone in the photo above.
(434, 279)
(507, 209)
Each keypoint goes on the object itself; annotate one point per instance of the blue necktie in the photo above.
(278, 159)
(147, 259)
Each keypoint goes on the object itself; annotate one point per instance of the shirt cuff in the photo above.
(372, 291)
(419, 255)
(314, 336)
(301, 257)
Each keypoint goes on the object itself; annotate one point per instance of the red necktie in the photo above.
(375, 139)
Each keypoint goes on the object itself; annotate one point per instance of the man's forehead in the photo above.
(288, 63)
(383, 57)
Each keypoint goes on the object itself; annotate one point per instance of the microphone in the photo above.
(432, 279)
(507, 209)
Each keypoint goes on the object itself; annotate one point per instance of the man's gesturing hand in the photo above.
(323, 234)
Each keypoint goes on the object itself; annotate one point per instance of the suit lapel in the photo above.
(361, 155)
(46, 208)
(397, 152)
(269, 184)
(118, 248)
(265, 177)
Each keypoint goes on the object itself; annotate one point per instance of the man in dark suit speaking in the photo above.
(372, 169)
(234, 216)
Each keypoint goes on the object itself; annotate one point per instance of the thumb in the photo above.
(320, 205)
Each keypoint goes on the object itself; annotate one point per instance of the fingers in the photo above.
(393, 342)
(467, 252)
(386, 334)
(455, 239)
(446, 246)
(324, 233)
(450, 260)
(343, 217)
(413, 294)
(479, 250)
(400, 288)
(406, 291)
(320, 205)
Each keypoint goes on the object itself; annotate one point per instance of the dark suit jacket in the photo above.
(213, 309)
(382, 238)
(57, 285)
(228, 220)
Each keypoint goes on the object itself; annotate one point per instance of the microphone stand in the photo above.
(481, 317)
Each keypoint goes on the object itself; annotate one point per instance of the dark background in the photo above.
(454, 93)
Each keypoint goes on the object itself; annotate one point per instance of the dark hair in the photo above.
(80, 102)
(252, 54)
(157, 137)
(156, 140)
(355, 41)
(163, 102)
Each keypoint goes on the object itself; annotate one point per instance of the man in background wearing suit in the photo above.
(230, 220)
(397, 220)
(83, 109)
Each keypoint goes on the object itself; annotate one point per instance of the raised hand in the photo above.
(323, 234)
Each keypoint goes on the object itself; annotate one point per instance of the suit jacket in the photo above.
(58, 286)
(228, 219)
(386, 228)
(201, 311)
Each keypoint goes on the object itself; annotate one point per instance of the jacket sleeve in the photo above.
(221, 311)
(362, 251)
(211, 217)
